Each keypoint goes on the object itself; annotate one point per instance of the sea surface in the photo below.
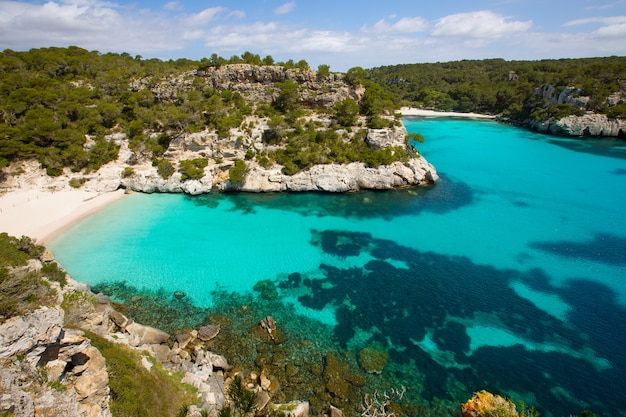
(509, 275)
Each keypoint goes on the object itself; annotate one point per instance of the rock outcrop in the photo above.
(255, 83)
(588, 125)
(48, 370)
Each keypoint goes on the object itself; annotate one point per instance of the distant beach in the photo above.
(42, 215)
(411, 111)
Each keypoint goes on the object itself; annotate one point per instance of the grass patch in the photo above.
(137, 392)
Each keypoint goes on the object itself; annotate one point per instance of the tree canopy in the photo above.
(498, 86)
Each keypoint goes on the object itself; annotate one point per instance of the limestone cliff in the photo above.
(588, 125)
(137, 166)
(585, 124)
(50, 370)
(256, 83)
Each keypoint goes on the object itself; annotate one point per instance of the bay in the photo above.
(507, 276)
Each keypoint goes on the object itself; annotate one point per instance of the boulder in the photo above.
(335, 412)
(386, 138)
(264, 381)
(118, 319)
(209, 332)
(184, 339)
(262, 400)
(161, 353)
(55, 370)
(147, 335)
(218, 362)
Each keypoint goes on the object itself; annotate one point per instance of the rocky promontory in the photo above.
(135, 172)
(283, 129)
(583, 123)
(587, 125)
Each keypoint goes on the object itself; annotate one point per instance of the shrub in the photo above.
(192, 168)
(77, 182)
(264, 161)
(243, 402)
(135, 391)
(22, 292)
(377, 122)
(164, 168)
(52, 271)
(238, 172)
(127, 172)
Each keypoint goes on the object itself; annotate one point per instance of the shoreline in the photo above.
(43, 215)
(412, 111)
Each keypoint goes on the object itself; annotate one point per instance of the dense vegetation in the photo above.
(23, 290)
(504, 87)
(60, 106)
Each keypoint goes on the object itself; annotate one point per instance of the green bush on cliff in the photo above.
(238, 172)
(53, 272)
(192, 169)
(135, 391)
(21, 291)
(164, 168)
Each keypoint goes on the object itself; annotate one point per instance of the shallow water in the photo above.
(506, 276)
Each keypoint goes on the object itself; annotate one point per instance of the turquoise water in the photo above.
(507, 276)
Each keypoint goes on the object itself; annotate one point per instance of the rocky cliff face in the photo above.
(49, 370)
(255, 83)
(222, 152)
(587, 125)
(134, 169)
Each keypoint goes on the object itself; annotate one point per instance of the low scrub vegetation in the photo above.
(23, 290)
(137, 392)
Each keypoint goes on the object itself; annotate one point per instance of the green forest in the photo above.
(58, 105)
(496, 86)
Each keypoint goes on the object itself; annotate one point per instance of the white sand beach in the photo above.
(410, 111)
(41, 215)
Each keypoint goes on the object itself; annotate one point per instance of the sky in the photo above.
(340, 33)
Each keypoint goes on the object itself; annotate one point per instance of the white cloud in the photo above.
(205, 16)
(478, 25)
(89, 24)
(285, 8)
(612, 31)
(174, 6)
(404, 25)
(602, 20)
(238, 14)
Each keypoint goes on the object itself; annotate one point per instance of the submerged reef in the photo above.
(439, 325)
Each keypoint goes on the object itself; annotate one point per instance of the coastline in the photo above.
(43, 215)
(411, 111)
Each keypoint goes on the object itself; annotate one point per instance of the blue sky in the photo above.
(340, 33)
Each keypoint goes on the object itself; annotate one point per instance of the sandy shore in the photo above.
(42, 215)
(410, 111)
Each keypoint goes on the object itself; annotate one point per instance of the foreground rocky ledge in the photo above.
(49, 366)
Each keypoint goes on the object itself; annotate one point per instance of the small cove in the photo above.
(506, 276)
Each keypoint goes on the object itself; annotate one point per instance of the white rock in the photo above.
(20, 334)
